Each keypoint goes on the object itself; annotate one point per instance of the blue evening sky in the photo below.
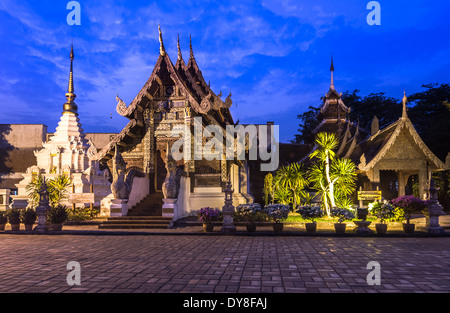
(273, 56)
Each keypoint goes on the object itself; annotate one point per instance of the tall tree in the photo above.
(430, 114)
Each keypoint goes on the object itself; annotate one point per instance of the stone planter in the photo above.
(56, 227)
(2, 226)
(28, 227)
(208, 227)
(381, 228)
(15, 227)
(340, 228)
(251, 227)
(311, 227)
(278, 227)
(409, 228)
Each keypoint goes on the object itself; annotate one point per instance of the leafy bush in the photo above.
(13, 216)
(3, 218)
(409, 204)
(310, 212)
(29, 216)
(249, 212)
(81, 214)
(57, 214)
(342, 214)
(277, 212)
(382, 211)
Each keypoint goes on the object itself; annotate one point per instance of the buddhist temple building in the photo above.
(386, 157)
(167, 104)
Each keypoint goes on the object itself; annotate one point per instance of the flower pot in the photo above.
(208, 227)
(28, 227)
(311, 227)
(56, 227)
(409, 228)
(2, 226)
(15, 227)
(381, 228)
(251, 227)
(278, 227)
(340, 228)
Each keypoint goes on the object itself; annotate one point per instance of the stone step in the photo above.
(133, 226)
(139, 222)
(137, 218)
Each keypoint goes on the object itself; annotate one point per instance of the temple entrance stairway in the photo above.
(147, 214)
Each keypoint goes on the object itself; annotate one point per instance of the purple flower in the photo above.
(207, 214)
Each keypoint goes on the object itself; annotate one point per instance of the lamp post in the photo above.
(228, 210)
(42, 208)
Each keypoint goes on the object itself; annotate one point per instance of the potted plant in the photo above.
(206, 215)
(3, 220)
(277, 213)
(409, 204)
(383, 212)
(13, 216)
(310, 212)
(56, 216)
(250, 213)
(28, 218)
(342, 215)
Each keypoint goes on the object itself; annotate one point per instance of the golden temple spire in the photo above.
(180, 57)
(404, 100)
(332, 72)
(162, 51)
(70, 106)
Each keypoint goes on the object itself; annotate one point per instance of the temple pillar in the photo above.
(402, 180)
(375, 177)
(423, 182)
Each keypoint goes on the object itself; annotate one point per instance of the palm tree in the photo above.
(33, 188)
(57, 188)
(343, 172)
(326, 143)
(293, 177)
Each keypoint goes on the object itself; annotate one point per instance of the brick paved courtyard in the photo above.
(181, 263)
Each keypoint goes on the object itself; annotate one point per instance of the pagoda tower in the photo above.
(69, 153)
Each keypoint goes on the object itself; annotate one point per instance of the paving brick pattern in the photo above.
(180, 263)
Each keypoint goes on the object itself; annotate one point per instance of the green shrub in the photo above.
(57, 214)
(13, 216)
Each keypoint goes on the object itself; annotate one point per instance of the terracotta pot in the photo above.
(2, 226)
(381, 228)
(278, 227)
(251, 227)
(15, 227)
(340, 228)
(208, 227)
(28, 227)
(311, 227)
(409, 228)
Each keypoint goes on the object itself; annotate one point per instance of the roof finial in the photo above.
(70, 106)
(404, 100)
(191, 52)
(162, 51)
(72, 56)
(180, 57)
(332, 72)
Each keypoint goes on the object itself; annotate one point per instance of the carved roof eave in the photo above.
(339, 101)
(403, 122)
(177, 80)
(104, 154)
